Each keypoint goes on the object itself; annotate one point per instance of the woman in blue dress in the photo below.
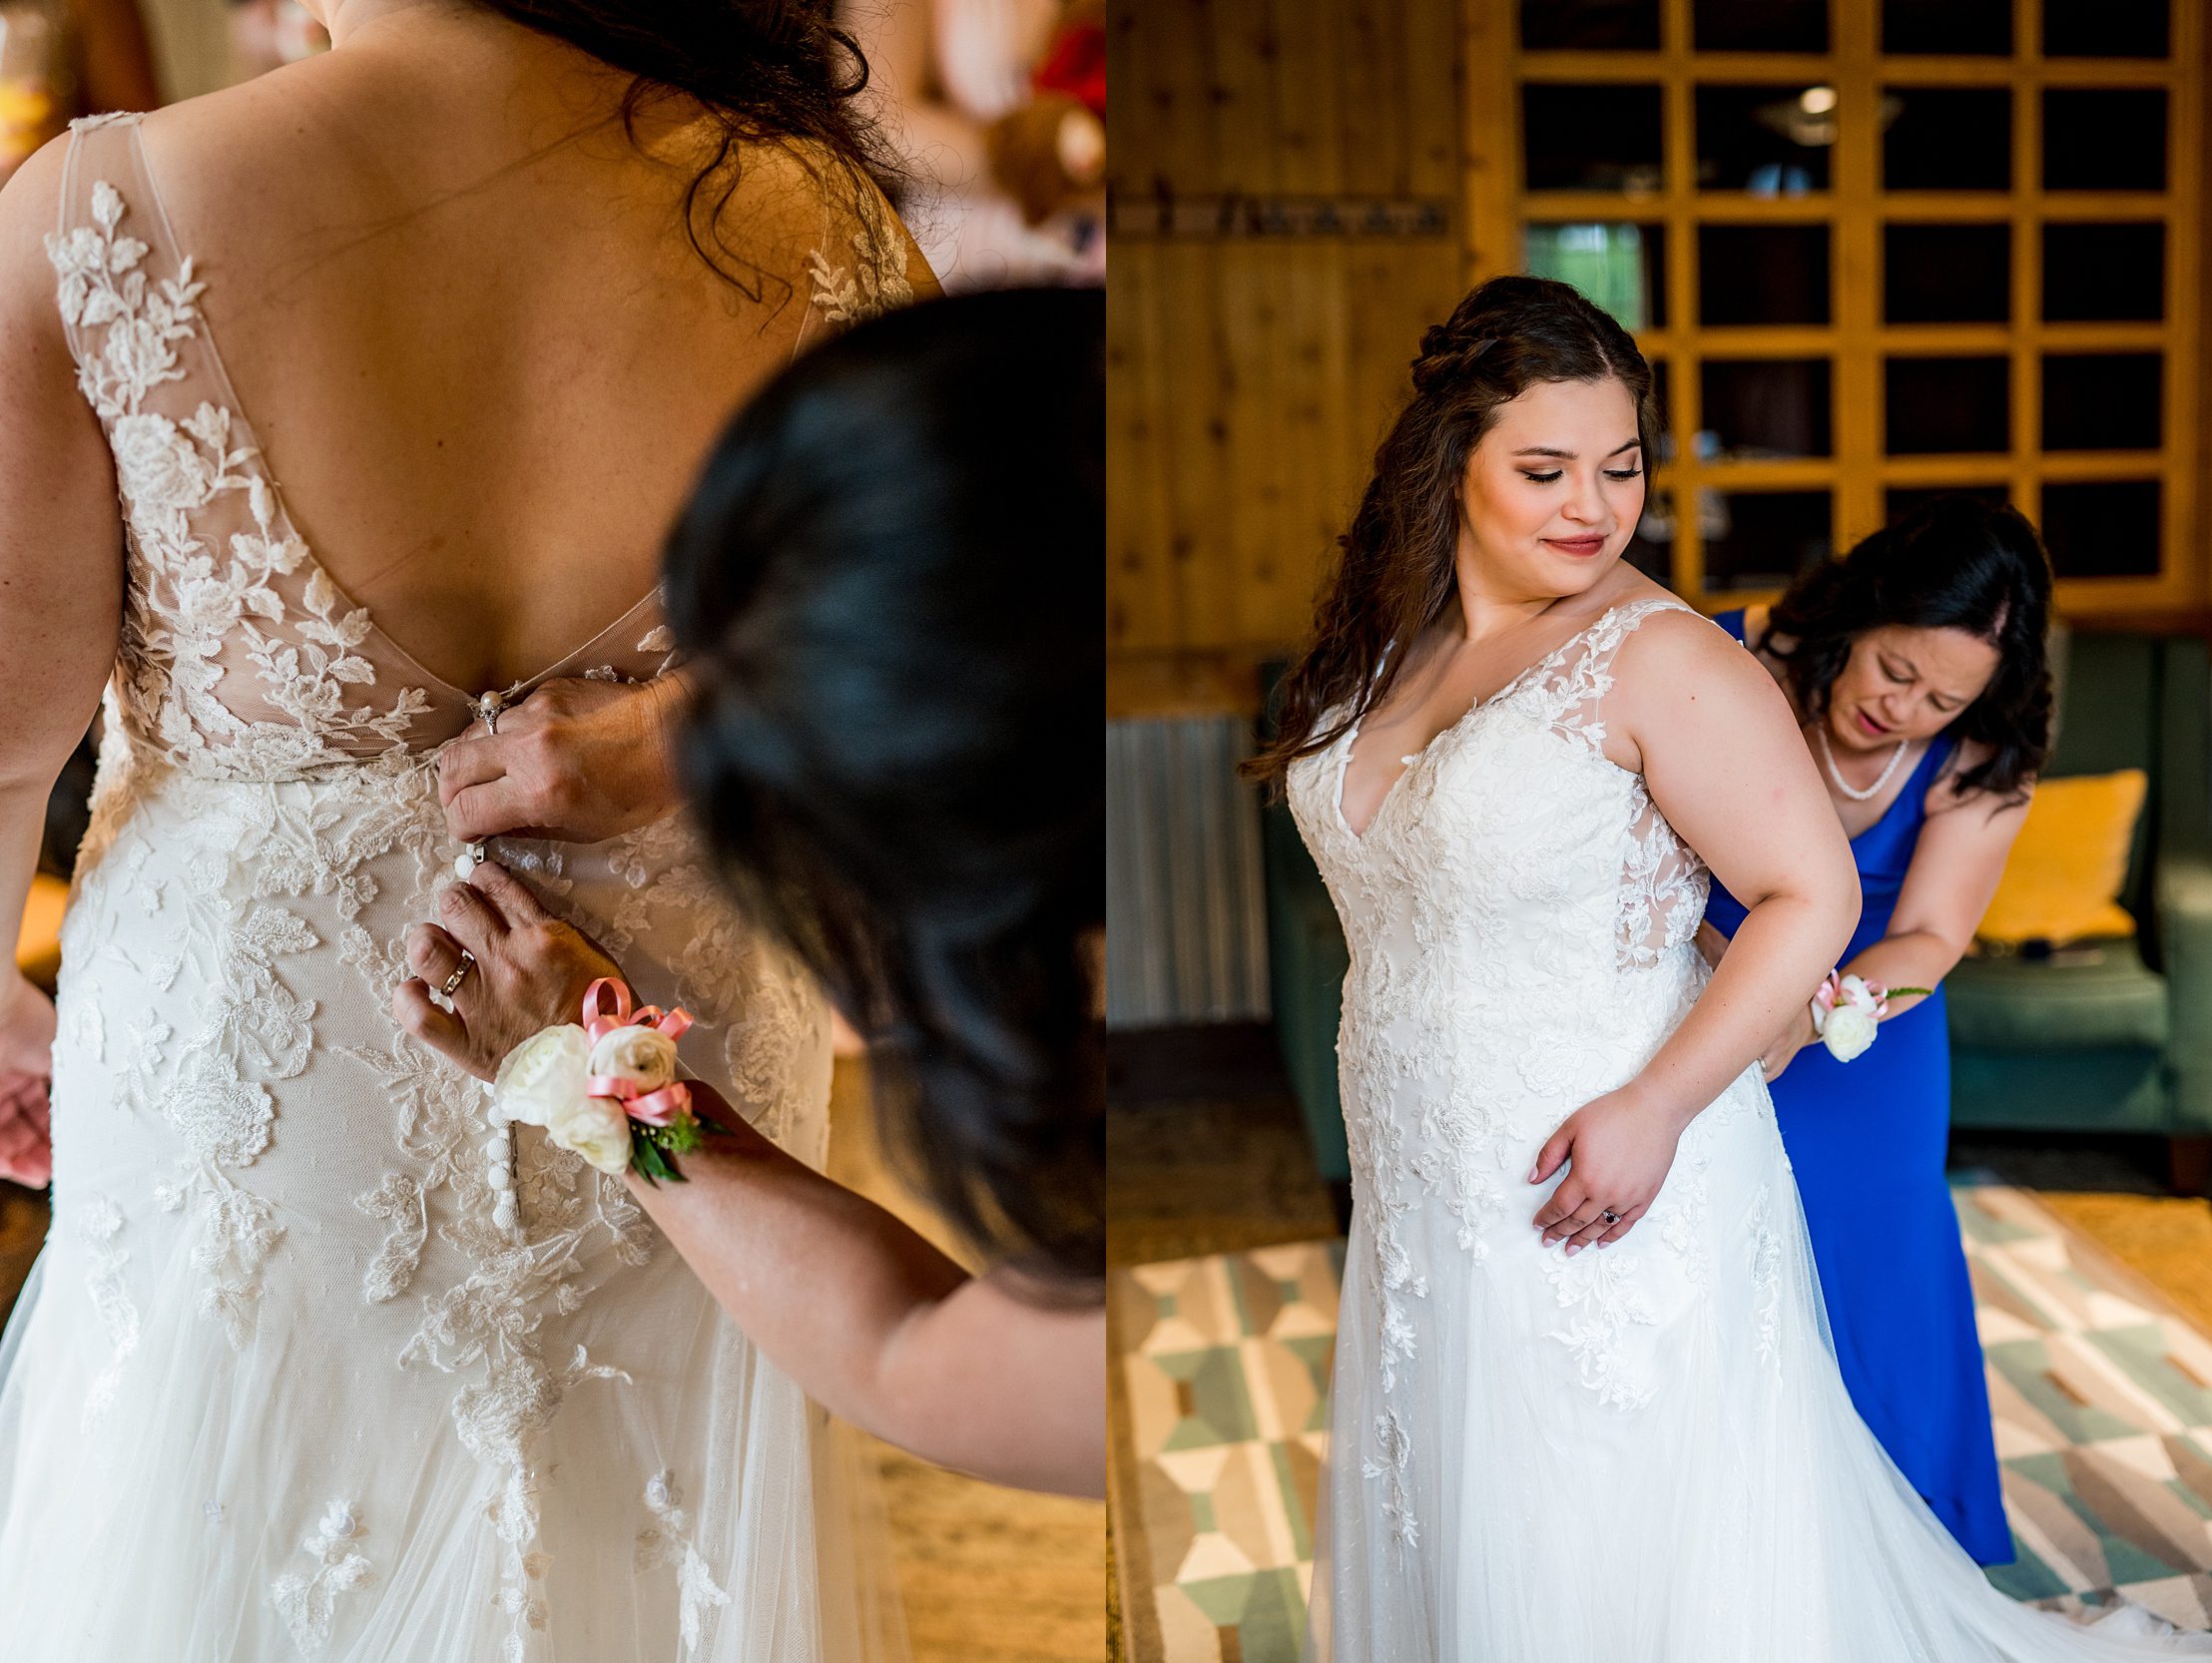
(1917, 668)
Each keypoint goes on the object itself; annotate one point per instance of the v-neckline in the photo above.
(221, 371)
(1483, 703)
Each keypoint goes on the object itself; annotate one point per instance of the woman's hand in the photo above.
(578, 759)
(26, 1061)
(1618, 1150)
(529, 974)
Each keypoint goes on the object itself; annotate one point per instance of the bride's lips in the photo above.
(1580, 547)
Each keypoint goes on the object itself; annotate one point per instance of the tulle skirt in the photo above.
(1643, 1454)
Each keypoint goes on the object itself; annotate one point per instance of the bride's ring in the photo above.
(460, 974)
(1609, 1216)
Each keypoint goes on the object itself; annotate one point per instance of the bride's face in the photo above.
(1906, 684)
(1552, 492)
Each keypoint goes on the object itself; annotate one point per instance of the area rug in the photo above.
(2101, 1392)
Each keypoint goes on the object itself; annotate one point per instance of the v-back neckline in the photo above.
(1481, 703)
(221, 372)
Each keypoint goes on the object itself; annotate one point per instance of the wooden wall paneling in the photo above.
(1201, 452)
(1140, 582)
(1373, 148)
(1430, 71)
(1252, 502)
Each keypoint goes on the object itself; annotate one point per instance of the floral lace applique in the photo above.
(99, 1222)
(1600, 1291)
(195, 600)
(308, 1604)
(1766, 1280)
(1393, 1452)
(667, 1541)
(876, 281)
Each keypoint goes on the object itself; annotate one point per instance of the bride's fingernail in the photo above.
(1573, 1248)
(1532, 1175)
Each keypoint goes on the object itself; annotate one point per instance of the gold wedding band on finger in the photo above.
(460, 974)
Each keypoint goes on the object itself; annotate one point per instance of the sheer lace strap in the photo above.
(1570, 688)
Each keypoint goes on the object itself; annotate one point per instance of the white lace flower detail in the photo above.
(99, 1222)
(667, 1541)
(308, 1604)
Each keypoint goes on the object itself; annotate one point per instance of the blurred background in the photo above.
(998, 107)
(1875, 250)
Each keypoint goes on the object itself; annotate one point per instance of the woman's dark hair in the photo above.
(1395, 574)
(1958, 564)
(764, 70)
(887, 583)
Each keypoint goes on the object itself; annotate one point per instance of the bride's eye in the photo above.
(1624, 473)
(1541, 478)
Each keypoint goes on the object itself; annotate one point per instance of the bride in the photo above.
(399, 361)
(1584, 1405)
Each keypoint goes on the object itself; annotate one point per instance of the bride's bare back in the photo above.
(460, 310)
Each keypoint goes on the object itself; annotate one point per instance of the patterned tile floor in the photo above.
(2101, 1392)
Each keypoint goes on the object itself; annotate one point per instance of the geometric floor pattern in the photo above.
(2101, 1396)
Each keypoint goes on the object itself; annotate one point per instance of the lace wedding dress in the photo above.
(315, 1365)
(1643, 1453)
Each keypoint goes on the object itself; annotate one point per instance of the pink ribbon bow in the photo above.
(650, 1108)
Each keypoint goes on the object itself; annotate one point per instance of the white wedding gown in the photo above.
(1643, 1453)
(283, 1384)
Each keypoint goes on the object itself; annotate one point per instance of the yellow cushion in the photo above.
(38, 948)
(2062, 879)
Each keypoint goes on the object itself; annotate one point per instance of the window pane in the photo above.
(1662, 394)
(1773, 141)
(1946, 273)
(1901, 500)
(1948, 138)
(1942, 406)
(2099, 29)
(2103, 528)
(1756, 408)
(1763, 539)
(1980, 26)
(1761, 275)
(1623, 268)
(2105, 273)
(1760, 25)
(2105, 138)
(2102, 400)
(1589, 25)
(1590, 138)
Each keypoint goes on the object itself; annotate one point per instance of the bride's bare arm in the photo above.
(1721, 754)
(61, 578)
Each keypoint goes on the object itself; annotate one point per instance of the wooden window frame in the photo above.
(1498, 210)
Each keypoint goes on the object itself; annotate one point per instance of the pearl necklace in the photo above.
(1872, 790)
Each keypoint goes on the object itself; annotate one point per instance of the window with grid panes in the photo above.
(1876, 250)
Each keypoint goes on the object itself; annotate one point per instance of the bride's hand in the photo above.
(1617, 1150)
(26, 1059)
(529, 972)
(579, 759)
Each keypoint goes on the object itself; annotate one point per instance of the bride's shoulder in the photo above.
(1672, 652)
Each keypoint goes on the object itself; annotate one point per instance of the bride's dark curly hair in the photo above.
(1396, 572)
(763, 70)
(1958, 564)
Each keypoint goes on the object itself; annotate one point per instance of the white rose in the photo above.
(595, 1128)
(646, 1057)
(1855, 992)
(543, 1073)
(157, 465)
(1849, 1028)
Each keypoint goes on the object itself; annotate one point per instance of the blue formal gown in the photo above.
(1866, 1140)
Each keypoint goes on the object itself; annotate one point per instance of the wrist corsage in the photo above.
(606, 1088)
(1847, 1011)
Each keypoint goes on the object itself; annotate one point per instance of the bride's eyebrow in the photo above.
(1569, 456)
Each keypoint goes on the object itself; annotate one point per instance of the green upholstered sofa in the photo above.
(2114, 1038)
